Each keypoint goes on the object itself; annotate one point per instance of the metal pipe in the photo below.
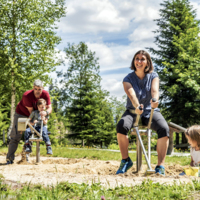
(143, 149)
(149, 131)
(149, 144)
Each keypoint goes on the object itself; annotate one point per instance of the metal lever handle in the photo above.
(154, 99)
(140, 108)
(137, 118)
(151, 115)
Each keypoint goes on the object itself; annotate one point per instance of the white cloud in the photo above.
(142, 33)
(114, 86)
(104, 25)
(92, 16)
(196, 6)
(61, 55)
(103, 52)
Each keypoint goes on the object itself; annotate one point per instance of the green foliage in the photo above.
(118, 107)
(52, 127)
(27, 44)
(3, 124)
(89, 115)
(177, 62)
(146, 190)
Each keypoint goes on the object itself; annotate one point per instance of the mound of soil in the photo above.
(51, 171)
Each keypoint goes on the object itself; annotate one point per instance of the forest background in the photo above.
(83, 111)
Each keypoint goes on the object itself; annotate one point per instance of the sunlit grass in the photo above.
(94, 154)
(147, 190)
(65, 190)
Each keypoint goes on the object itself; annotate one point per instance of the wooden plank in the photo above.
(182, 145)
(35, 139)
(174, 129)
(180, 128)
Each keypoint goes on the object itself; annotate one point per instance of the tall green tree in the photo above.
(86, 108)
(177, 61)
(118, 107)
(27, 44)
(3, 124)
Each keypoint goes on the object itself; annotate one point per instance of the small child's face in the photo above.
(41, 107)
(193, 143)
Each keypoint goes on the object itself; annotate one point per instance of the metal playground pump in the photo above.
(35, 137)
(140, 146)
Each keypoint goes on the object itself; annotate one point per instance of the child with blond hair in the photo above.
(193, 136)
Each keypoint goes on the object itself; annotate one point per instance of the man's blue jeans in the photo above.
(45, 136)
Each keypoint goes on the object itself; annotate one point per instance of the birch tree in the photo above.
(27, 44)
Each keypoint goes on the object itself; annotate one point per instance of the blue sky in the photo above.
(115, 30)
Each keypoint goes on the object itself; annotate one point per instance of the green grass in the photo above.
(147, 190)
(95, 154)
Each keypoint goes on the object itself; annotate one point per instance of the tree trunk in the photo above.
(12, 110)
(83, 143)
(13, 89)
(171, 143)
(177, 138)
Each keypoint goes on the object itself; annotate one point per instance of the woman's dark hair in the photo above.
(149, 67)
(194, 133)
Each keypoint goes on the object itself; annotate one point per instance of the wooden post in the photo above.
(139, 155)
(184, 140)
(171, 144)
(37, 151)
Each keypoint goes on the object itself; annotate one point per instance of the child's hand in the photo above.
(42, 118)
(35, 121)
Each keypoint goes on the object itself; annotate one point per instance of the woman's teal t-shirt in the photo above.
(142, 89)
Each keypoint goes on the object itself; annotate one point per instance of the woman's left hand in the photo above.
(154, 104)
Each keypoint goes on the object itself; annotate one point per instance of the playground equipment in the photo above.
(176, 127)
(35, 137)
(140, 146)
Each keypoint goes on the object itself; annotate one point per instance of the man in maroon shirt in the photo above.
(23, 110)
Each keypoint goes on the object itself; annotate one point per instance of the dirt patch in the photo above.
(51, 171)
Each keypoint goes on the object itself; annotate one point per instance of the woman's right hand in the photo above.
(138, 111)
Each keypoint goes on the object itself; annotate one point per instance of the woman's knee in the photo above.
(163, 131)
(122, 127)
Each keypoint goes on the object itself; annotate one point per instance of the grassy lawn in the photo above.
(147, 190)
(97, 154)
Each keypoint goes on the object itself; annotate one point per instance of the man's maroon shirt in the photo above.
(29, 100)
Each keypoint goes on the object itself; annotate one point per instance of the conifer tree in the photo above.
(177, 61)
(89, 117)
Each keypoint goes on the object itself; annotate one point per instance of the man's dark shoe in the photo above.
(49, 150)
(9, 162)
(28, 148)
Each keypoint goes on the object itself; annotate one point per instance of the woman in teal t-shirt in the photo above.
(141, 86)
